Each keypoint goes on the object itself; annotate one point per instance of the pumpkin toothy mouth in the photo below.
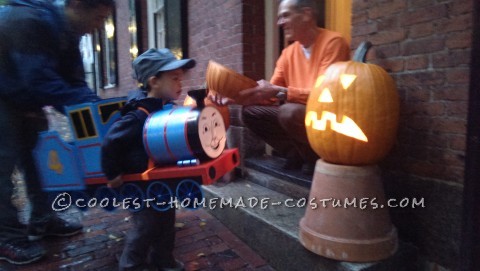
(346, 126)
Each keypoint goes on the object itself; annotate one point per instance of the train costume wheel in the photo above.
(189, 194)
(162, 194)
(107, 198)
(132, 197)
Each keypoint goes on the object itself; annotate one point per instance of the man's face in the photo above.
(87, 20)
(290, 19)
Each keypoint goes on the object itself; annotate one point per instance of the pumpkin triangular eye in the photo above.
(325, 96)
(347, 80)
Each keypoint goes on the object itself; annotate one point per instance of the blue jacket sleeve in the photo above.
(115, 147)
(42, 85)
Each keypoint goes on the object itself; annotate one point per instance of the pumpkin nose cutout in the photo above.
(325, 96)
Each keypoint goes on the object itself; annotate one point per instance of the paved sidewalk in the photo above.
(202, 243)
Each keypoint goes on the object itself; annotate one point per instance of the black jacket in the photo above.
(40, 63)
(122, 149)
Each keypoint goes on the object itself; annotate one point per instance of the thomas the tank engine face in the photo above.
(211, 131)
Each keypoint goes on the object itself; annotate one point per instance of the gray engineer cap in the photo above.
(153, 61)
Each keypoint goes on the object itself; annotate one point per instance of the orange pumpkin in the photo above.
(223, 109)
(352, 112)
(225, 81)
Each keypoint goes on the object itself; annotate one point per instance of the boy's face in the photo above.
(167, 86)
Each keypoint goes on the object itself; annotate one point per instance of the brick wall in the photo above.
(425, 46)
(230, 32)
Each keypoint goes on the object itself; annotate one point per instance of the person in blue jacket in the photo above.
(40, 64)
(151, 240)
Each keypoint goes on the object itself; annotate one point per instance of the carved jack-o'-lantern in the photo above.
(352, 112)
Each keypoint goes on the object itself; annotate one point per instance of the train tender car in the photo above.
(186, 147)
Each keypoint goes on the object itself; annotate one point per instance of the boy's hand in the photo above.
(115, 182)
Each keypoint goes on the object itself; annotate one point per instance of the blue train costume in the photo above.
(123, 153)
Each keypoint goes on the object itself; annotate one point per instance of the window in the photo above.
(107, 110)
(133, 30)
(83, 124)
(99, 54)
(168, 26)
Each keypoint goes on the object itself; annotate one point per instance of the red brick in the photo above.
(386, 37)
(425, 108)
(442, 60)
(233, 264)
(461, 7)
(426, 14)
(449, 125)
(421, 79)
(249, 256)
(391, 65)
(451, 158)
(454, 93)
(420, 3)
(188, 231)
(417, 63)
(383, 10)
(229, 238)
(456, 23)
(459, 40)
(457, 142)
(388, 50)
(364, 29)
(458, 75)
(421, 30)
(360, 5)
(388, 23)
(457, 109)
(424, 46)
(359, 17)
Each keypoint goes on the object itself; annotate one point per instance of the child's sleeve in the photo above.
(115, 145)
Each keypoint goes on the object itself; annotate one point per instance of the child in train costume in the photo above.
(123, 152)
(148, 148)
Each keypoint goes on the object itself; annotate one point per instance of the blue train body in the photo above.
(76, 165)
(64, 165)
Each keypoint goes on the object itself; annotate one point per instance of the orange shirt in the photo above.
(294, 71)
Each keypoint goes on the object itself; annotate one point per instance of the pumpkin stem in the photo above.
(361, 52)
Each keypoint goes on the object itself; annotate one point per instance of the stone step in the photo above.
(272, 165)
(267, 222)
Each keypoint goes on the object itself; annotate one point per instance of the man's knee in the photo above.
(291, 114)
(248, 113)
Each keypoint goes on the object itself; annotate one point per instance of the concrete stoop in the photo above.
(264, 212)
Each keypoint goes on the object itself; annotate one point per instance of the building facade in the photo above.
(425, 45)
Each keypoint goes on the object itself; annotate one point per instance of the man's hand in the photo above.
(219, 99)
(115, 182)
(264, 93)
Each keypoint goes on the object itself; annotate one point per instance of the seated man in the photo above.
(275, 110)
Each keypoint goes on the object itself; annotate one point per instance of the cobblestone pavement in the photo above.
(202, 242)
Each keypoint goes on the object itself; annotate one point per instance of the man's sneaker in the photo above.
(21, 251)
(54, 227)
